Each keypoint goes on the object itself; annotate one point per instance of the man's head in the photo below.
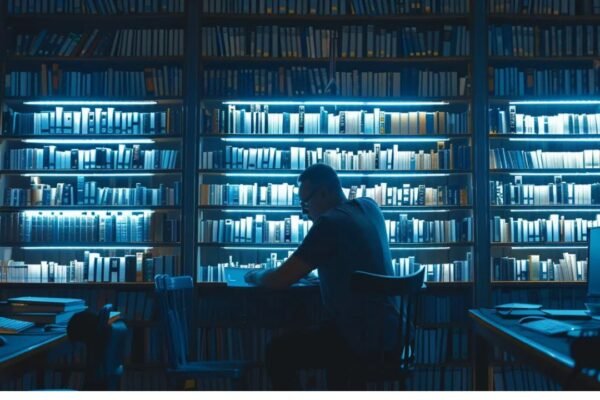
(320, 190)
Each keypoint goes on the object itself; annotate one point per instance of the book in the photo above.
(47, 317)
(44, 304)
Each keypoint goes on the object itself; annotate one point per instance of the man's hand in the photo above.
(252, 277)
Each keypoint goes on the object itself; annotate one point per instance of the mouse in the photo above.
(2, 341)
(531, 318)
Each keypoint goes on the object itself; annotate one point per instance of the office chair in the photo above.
(175, 297)
(105, 347)
(396, 365)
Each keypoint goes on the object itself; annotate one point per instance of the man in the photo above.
(346, 236)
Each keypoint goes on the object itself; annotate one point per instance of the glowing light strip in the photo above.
(266, 248)
(419, 248)
(561, 173)
(89, 141)
(84, 172)
(335, 140)
(337, 103)
(553, 102)
(90, 102)
(66, 213)
(555, 210)
(554, 139)
(546, 247)
(87, 247)
(298, 211)
(341, 174)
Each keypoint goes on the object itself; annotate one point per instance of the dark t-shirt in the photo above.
(348, 238)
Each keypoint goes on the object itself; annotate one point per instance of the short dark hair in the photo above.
(321, 175)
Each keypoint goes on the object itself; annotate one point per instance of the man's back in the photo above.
(347, 238)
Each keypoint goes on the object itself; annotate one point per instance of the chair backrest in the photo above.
(176, 303)
(105, 347)
(406, 289)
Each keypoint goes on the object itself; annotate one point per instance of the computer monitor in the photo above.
(594, 263)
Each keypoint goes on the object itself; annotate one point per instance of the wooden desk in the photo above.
(548, 354)
(27, 351)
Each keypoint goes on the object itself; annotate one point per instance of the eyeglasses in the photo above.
(304, 203)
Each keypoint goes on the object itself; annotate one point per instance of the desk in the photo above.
(548, 354)
(26, 351)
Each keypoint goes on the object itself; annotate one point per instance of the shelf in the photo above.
(89, 61)
(114, 285)
(342, 19)
(548, 172)
(89, 245)
(167, 100)
(538, 283)
(93, 172)
(87, 208)
(338, 60)
(539, 59)
(296, 208)
(258, 99)
(131, 138)
(448, 285)
(527, 98)
(547, 208)
(87, 20)
(341, 173)
(544, 19)
(293, 246)
(342, 137)
(541, 245)
(547, 137)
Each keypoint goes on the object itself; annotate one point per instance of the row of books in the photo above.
(544, 7)
(511, 122)
(501, 158)
(94, 7)
(444, 308)
(517, 377)
(94, 121)
(217, 273)
(440, 345)
(139, 267)
(415, 230)
(49, 157)
(533, 268)
(298, 81)
(455, 271)
(52, 80)
(355, 41)
(536, 41)
(298, 158)
(555, 193)
(260, 120)
(336, 7)
(254, 229)
(438, 378)
(100, 43)
(286, 194)
(513, 81)
(554, 229)
(89, 227)
(257, 229)
(89, 193)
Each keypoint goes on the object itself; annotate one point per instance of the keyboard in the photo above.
(8, 325)
(549, 327)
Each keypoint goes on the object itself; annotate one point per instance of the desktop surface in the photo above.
(27, 343)
(549, 354)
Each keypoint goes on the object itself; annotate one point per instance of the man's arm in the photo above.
(292, 270)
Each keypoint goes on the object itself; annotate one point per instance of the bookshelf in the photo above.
(271, 109)
(542, 174)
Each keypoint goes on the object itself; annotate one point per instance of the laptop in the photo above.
(235, 276)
